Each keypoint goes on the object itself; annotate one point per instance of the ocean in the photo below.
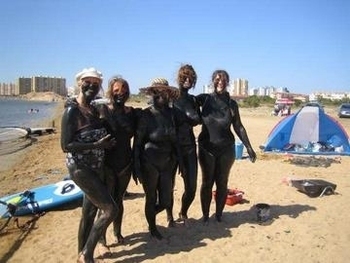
(24, 113)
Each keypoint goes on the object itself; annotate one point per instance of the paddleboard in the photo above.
(42, 198)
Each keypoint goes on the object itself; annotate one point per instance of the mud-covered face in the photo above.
(220, 83)
(120, 93)
(187, 79)
(90, 87)
(161, 99)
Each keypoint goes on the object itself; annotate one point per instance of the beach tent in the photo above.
(308, 131)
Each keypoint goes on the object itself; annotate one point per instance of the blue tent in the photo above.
(309, 131)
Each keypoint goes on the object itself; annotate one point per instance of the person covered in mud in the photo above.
(84, 139)
(216, 142)
(122, 122)
(156, 151)
(189, 117)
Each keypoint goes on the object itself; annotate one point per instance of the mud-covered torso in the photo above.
(122, 126)
(187, 114)
(157, 133)
(217, 119)
(89, 129)
(160, 129)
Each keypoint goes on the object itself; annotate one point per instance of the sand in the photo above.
(301, 229)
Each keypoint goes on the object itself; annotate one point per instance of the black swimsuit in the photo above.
(92, 158)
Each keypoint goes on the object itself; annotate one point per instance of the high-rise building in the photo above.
(42, 84)
(8, 89)
(240, 87)
(24, 85)
(210, 88)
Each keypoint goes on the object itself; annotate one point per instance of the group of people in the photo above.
(281, 110)
(101, 159)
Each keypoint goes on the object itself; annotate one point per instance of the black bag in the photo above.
(314, 187)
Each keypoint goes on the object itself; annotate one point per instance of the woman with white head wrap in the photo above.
(84, 140)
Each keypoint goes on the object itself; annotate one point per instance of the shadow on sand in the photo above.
(140, 246)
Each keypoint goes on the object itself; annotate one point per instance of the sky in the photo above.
(303, 45)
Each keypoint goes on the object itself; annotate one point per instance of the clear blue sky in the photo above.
(303, 45)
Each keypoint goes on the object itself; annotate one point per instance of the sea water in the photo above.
(24, 113)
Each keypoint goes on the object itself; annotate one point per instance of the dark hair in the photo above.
(222, 73)
(114, 80)
(186, 71)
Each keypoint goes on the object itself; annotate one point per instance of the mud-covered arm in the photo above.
(179, 158)
(176, 142)
(106, 119)
(200, 99)
(138, 144)
(137, 114)
(240, 130)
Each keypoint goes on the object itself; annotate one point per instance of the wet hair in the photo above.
(186, 71)
(114, 80)
(221, 72)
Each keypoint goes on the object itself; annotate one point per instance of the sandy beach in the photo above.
(301, 229)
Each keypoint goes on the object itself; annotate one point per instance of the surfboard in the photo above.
(42, 198)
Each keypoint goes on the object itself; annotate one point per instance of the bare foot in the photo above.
(171, 223)
(184, 220)
(174, 224)
(120, 239)
(187, 223)
(205, 221)
(182, 217)
(82, 259)
(155, 234)
(104, 250)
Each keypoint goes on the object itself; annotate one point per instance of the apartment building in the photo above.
(8, 89)
(240, 87)
(25, 85)
(42, 84)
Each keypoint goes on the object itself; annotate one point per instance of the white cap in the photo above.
(89, 72)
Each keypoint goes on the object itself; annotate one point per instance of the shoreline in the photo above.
(48, 96)
(10, 163)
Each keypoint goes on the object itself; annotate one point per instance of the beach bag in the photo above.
(314, 187)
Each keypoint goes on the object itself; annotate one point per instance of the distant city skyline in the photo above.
(237, 87)
(301, 45)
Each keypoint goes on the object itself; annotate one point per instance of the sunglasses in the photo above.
(89, 84)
